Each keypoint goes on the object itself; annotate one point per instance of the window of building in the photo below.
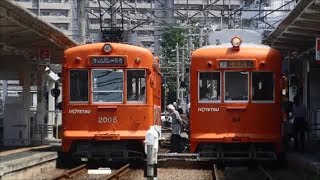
(107, 85)
(54, 12)
(54, 1)
(209, 86)
(64, 26)
(236, 86)
(79, 85)
(136, 85)
(262, 86)
(287, 5)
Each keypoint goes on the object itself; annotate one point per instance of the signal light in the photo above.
(107, 48)
(236, 41)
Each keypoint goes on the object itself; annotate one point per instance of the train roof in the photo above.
(246, 50)
(119, 47)
(228, 45)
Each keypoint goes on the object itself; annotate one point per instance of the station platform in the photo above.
(309, 160)
(15, 159)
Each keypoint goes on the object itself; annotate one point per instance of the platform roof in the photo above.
(23, 34)
(298, 30)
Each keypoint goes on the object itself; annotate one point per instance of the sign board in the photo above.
(44, 57)
(108, 60)
(318, 49)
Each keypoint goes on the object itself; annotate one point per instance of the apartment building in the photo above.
(146, 17)
(61, 13)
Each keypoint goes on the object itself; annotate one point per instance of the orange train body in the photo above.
(111, 97)
(231, 120)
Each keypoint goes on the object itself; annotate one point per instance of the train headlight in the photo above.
(236, 42)
(107, 48)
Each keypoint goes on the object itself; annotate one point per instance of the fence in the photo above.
(314, 124)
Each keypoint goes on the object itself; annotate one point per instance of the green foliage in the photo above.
(170, 37)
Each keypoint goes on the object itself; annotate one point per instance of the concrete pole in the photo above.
(150, 163)
(40, 123)
(51, 108)
(4, 90)
(178, 71)
(183, 78)
(59, 114)
(82, 15)
(201, 37)
(113, 13)
(26, 96)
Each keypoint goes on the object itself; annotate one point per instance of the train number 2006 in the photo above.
(107, 119)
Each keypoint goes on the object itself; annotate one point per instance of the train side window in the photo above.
(209, 86)
(236, 86)
(136, 85)
(107, 85)
(78, 85)
(262, 86)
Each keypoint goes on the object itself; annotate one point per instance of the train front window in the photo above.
(136, 85)
(262, 86)
(107, 85)
(236, 86)
(209, 86)
(78, 85)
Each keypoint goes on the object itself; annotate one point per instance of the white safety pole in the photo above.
(150, 164)
(151, 149)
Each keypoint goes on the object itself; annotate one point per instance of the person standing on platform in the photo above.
(299, 113)
(176, 129)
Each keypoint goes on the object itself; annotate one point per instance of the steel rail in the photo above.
(71, 173)
(268, 176)
(120, 172)
(215, 175)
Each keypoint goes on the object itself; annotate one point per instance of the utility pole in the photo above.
(182, 78)
(82, 14)
(178, 71)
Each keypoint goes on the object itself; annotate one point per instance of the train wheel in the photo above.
(282, 160)
(64, 160)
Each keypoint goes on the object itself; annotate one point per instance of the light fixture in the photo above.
(107, 48)
(236, 42)
(138, 60)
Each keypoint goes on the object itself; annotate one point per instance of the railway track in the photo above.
(119, 173)
(219, 174)
(215, 174)
(72, 172)
(266, 173)
(77, 171)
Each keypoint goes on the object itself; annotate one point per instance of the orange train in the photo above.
(111, 97)
(235, 105)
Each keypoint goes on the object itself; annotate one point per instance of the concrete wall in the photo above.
(16, 130)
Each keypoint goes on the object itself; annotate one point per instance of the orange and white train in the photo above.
(235, 95)
(111, 97)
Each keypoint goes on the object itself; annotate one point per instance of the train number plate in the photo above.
(107, 119)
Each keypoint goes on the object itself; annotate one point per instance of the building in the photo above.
(144, 18)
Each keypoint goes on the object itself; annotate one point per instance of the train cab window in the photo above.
(107, 85)
(236, 86)
(262, 86)
(209, 86)
(136, 85)
(78, 85)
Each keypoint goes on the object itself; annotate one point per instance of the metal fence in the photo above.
(314, 124)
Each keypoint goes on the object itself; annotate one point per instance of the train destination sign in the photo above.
(247, 64)
(108, 60)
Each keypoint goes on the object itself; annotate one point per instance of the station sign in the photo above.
(318, 50)
(108, 60)
(44, 57)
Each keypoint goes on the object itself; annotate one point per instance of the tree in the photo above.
(170, 37)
